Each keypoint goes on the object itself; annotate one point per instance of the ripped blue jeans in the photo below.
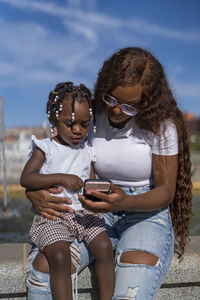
(149, 232)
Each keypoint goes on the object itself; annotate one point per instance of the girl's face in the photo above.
(130, 95)
(71, 133)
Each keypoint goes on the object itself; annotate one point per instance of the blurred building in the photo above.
(17, 141)
(193, 123)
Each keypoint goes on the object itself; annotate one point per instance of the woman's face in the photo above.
(130, 95)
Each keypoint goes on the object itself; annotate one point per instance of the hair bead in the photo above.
(52, 129)
(57, 114)
(73, 116)
(61, 106)
(91, 113)
(94, 129)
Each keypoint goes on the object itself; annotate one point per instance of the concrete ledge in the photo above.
(13, 270)
(182, 282)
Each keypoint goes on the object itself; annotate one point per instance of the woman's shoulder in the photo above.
(165, 142)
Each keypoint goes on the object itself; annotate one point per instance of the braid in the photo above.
(61, 91)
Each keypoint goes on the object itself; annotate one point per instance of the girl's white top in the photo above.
(125, 155)
(67, 160)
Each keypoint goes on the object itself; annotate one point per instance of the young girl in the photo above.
(66, 160)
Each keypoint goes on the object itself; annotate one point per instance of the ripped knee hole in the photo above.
(139, 257)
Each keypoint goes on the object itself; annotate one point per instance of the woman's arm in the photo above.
(49, 205)
(165, 174)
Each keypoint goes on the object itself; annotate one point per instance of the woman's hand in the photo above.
(165, 176)
(115, 201)
(47, 205)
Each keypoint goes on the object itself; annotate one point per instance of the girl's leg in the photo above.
(105, 267)
(59, 259)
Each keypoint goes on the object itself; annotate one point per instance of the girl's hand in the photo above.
(71, 182)
(115, 201)
(47, 205)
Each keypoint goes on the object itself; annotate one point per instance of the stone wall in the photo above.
(182, 282)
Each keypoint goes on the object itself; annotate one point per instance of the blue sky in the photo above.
(45, 42)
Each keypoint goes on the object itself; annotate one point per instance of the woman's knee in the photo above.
(41, 264)
(141, 270)
(139, 257)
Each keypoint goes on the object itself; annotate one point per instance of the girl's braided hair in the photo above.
(61, 91)
(134, 65)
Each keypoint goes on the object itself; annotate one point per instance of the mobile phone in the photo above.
(103, 186)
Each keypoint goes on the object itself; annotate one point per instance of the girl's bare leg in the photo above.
(105, 266)
(59, 259)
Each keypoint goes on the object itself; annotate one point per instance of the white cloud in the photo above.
(165, 32)
(59, 11)
(95, 19)
(32, 53)
(81, 29)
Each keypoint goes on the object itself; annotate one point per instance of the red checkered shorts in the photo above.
(83, 225)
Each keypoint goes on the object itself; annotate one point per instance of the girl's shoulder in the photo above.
(43, 144)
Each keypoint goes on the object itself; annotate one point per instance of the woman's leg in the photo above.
(143, 254)
(59, 259)
(38, 282)
(104, 265)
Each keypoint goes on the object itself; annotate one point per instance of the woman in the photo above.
(141, 145)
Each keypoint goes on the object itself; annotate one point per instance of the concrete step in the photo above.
(182, 282)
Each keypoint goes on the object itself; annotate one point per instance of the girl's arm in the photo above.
(165, 170)
(31, 179)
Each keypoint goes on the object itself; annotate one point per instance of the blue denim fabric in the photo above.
(151, 232)
(38, 283)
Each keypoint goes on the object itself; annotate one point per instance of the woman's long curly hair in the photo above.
(131, 66)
